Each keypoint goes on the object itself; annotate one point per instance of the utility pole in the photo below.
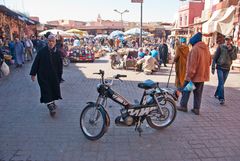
(141, 13)
(121, 13)
(140, 43)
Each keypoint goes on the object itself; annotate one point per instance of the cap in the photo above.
(228, 37)
(51, 36)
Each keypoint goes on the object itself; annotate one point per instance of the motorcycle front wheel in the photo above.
(92, 122)
(159, 121)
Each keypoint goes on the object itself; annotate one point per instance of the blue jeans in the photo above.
(222, 76)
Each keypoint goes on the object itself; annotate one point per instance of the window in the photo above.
(186, 23)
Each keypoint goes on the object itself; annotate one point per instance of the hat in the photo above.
(196, 38)
(51, 36)
(183, 40)
(228, 37)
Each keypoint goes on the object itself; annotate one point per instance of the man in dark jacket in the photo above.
(222, 60)
(47, 66)
(1, 56)
(163, 52)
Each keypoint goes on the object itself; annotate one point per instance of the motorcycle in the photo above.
(157, 107)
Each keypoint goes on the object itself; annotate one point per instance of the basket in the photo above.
(7, 57)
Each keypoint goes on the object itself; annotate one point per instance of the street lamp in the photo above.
(121, 13)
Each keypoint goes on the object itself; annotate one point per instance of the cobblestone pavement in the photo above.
(28, 133)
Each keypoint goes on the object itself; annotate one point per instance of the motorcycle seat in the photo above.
(148, 84)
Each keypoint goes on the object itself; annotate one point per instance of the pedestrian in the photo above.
(163, 52)
(1, 53)
(154, 53)
(48, 68)
(140, 53)
(28, 49)
(197, 71)
(19, 52)
(11, 49)
(148, 63)
(180, 60)
(222, 60)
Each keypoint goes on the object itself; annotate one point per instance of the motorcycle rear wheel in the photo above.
(158, 121)
(92, 122)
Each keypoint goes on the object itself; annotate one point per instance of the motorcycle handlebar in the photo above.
(119, 76)
(122, 75)
(100, 72)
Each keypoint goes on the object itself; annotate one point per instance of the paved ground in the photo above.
(28, 133)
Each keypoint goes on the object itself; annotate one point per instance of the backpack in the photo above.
(224, 59)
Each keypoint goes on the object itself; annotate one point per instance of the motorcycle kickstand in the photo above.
(139, 128)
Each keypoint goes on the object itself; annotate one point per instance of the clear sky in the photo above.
(88, 10)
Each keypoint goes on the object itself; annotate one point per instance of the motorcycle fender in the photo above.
(107, 120)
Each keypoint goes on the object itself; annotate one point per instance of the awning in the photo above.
(221, 21)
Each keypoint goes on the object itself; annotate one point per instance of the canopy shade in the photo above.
(76, 31)
(221, 21)
(135, 31)
(116, 33)
(55, 31)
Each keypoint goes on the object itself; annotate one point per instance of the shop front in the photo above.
(13, 24)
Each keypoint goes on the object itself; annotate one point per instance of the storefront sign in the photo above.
(137, 1)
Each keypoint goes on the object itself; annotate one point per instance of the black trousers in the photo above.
(197, 95)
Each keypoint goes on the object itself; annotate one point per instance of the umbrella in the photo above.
(135, 31)
(76, 31)
(101, 36)
(116, 33)
(55, 31)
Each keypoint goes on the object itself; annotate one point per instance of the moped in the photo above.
(157, 106)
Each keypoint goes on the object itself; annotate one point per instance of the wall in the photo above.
(195, 10)
(188, 12)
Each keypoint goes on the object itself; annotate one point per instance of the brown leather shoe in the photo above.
(195, 111)
(183, 109)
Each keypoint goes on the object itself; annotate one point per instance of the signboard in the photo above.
(137, 1)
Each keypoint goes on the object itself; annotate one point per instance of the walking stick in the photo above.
(170, 74)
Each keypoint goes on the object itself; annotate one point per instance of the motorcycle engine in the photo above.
(128, 120)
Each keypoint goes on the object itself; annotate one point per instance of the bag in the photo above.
(5, 69)
(189, 87)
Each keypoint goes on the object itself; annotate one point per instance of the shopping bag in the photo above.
(189, 87)
(5, 69)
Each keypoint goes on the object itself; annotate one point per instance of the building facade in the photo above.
(13, 24)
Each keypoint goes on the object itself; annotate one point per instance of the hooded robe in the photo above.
(47, 66)
(180, 66)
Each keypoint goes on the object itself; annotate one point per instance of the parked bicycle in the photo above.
(157, 106)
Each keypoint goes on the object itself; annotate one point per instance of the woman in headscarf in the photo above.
(180, 60)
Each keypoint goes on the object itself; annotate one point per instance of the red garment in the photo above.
(198, 63)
